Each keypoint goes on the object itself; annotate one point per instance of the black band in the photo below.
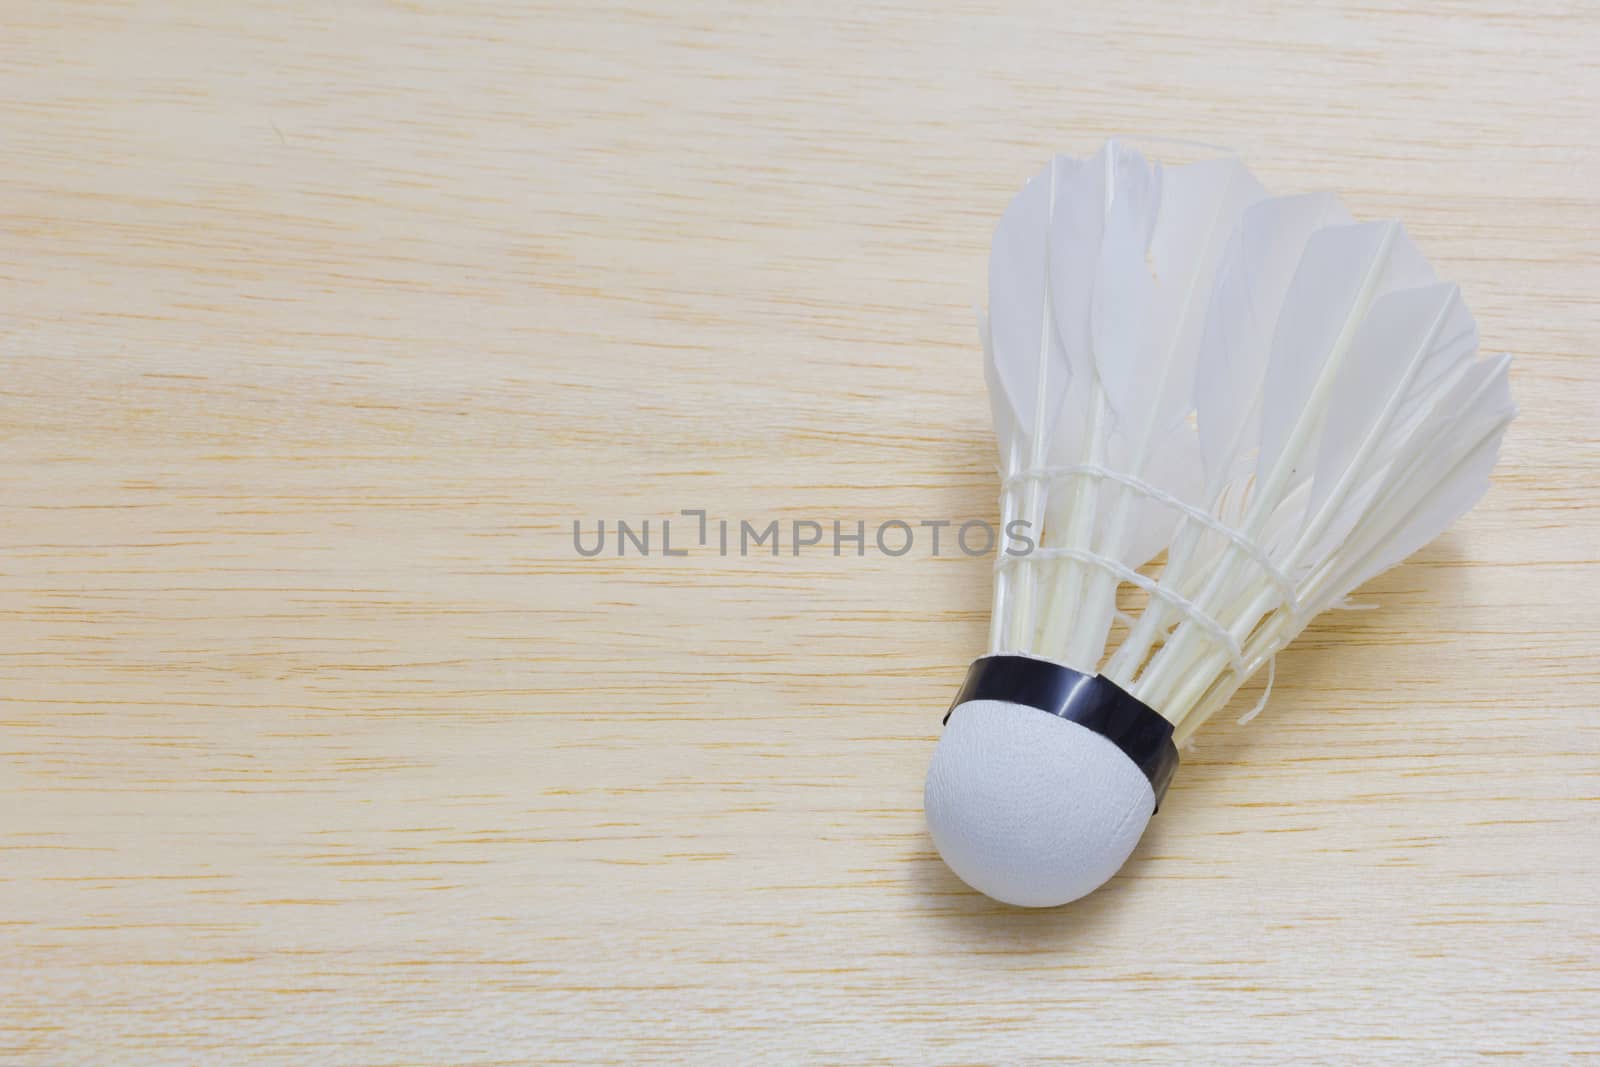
(1094, 701)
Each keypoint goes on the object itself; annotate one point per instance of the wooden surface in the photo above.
(322, 322)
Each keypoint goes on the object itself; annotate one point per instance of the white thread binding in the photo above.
(1185, 606)
(1218, 633)
(1283, 582)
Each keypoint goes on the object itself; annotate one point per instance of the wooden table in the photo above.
(323, 322)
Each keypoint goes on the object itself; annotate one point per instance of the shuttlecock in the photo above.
(1219, 413)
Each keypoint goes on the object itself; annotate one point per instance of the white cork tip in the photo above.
(1032, 809)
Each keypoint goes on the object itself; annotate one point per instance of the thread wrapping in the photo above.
(1218, 633)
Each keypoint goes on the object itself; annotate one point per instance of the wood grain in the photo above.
(323, 322)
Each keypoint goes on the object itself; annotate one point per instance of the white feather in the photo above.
(1158, 287)
(1263, 252)
(1410, 343)
(1448, 458)
(1017, 302)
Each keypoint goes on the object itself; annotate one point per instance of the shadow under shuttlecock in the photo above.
(950, 902)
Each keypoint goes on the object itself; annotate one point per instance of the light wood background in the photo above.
(321, 322)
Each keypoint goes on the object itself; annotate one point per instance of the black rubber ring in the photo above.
(1094, 701)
